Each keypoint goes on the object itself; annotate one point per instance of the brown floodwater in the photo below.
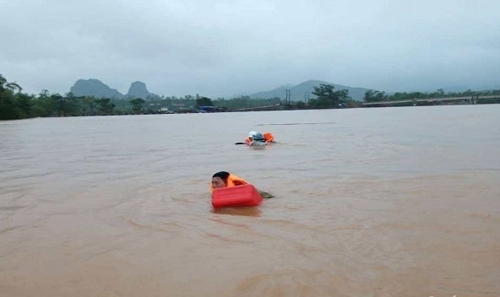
(368, 202)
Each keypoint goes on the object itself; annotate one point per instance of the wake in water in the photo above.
(291, 124)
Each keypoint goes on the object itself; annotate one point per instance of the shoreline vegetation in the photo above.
(14, 104)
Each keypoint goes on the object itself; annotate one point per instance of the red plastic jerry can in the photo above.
(245, 195)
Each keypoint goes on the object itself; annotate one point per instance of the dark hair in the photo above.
(222, 174)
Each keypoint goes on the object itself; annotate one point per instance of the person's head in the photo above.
(252, 134)
(258, 137)
(219, 179)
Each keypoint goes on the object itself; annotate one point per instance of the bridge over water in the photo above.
(465, 100)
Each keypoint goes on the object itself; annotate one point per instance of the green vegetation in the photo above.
(328, 98)
(14, 104)
(137, 105)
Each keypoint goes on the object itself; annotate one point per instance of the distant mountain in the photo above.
(300, 92)
(94, 87)
(303, 91)
(97, 89)
(138, 90)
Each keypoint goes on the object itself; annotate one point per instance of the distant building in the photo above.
(165, 110)
(208, 108)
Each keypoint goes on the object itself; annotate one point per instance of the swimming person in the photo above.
(257, 138)
(223, 179)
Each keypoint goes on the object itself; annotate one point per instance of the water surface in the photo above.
(369, 202)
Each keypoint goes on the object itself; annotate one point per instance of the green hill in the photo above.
(303, 91)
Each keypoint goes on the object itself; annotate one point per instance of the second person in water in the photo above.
(257, 138)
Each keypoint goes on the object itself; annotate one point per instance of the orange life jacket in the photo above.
(268, 136)
(232, 180)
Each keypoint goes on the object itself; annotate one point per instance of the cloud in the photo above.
(222, 48)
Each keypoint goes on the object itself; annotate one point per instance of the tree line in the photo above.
(14, 104)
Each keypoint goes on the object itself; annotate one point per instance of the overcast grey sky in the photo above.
(221, 48)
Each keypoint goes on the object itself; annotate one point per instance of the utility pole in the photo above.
(288, 96)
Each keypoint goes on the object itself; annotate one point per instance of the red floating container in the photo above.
(245, 195)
